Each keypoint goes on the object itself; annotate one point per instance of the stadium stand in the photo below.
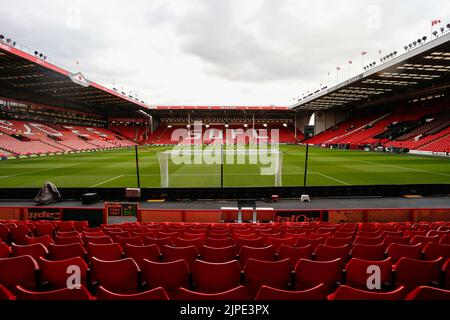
(34, 275)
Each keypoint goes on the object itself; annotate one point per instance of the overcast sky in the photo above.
(217, 52)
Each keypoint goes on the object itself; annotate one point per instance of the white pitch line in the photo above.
(98, 184)
(334, 179)
(404, 168)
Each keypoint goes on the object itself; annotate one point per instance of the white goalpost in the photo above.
(208, 163)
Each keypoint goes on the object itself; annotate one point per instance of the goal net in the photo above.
(220, 166)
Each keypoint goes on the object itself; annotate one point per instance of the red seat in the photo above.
(368, 241)
(338, 242)
(428, 293)
(276, 274)
(309, 274)
(254, 243)
(446, 271)
(19, 234)
(216, 277)
(169, 275)
(80, 225)
(139, 253)
(218, 255)
(5, 294)
(345, 292)
(328, 253)
(294, 254)
(434, 250)
(368, 252)
(56, 273)
(18, 271)
(172, 235)
(154, 294)
(276, 243)
(97, 240)
(5, 250)
(413, 273)
(44, 229)
(219, 236)
(424, 240)
(194, 236)
(44, 240)
(395, 239)
(445, 239)
(397, 251)
(60, 294)
(68, 240)
(129, 240)
(65, 226)
(264, 254)
(34, 250)
(197, 243)
(161, 242)
(303, 242)
(188, 254)
(108, 252)
(66, 251)
(4, 233)
(270, 294)
(357, 272)
(118, 276)
(236, 294)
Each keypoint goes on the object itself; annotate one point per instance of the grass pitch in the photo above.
(108, 169)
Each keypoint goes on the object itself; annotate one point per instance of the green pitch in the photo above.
(325, 168)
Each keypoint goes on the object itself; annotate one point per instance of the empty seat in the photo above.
(394, 239)
(5, 250)
(97, 240)
(278, 242)
(4, 233)
(44, 240)
(309, 274)
(139, 253)
(236, 294)
(328, 253)
(345, 292)
(19, 234)
(44, 229)
(294, 254)
(338, 242)
(66, 251)
(357, 272)
(276, 274)
(428, 293)
(446, 271)
(109, 252)
(216, 277)
(169, 275)
(188, 254)
(129, 240)
(303, 242)
(154, 294)
(219, 243)
(198, 242)
(65, 226)
(264, 254)
(60, 294)
(68, 240)
(368, 252)
(254, 243)
(56, 273)
(218, 255)
(80, 225)
(413, 273)
(368, 241)
(161, 242)
(35, 250)
(18, 271)
(397, 251)
(5, 294)
(118, 276)
(270, 294)
(445, 239)
(434, 250)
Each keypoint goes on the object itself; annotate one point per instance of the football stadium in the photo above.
(342, 194)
